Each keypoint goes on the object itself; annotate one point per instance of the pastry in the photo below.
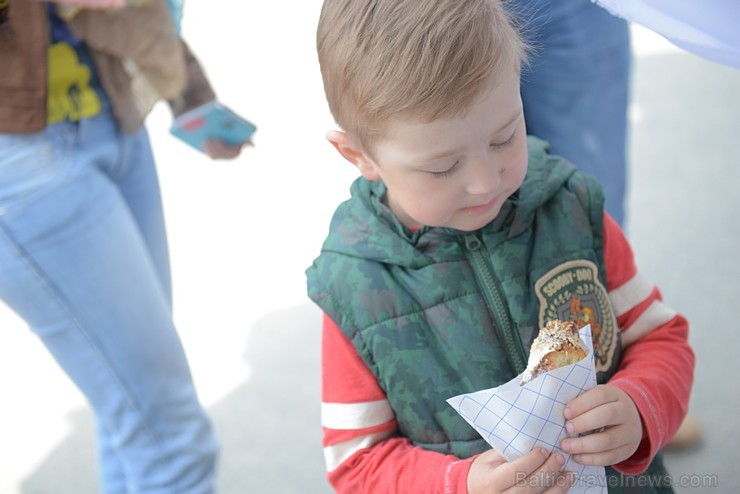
(557, 345)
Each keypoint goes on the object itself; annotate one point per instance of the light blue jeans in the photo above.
(83, 259)
(575, 92)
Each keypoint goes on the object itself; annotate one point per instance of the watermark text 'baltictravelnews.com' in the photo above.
(657, 481)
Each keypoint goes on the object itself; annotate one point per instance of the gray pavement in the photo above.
(253, 339)
(685, 230)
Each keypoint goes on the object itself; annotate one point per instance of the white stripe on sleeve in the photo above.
(351, 416)
(337, 454)
(631, 294)
(655, 315)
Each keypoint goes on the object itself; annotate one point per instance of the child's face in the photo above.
(455, 172)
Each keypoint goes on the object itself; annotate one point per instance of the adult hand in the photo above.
(220, 150)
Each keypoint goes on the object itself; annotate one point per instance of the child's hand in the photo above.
(490, 473)
(606, 407)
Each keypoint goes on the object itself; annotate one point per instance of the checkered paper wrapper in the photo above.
(515, 419)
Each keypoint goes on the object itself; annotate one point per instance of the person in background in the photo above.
(83, 250)
(575, 88)
(575, 91)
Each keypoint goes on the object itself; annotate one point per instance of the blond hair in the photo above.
(418, 59)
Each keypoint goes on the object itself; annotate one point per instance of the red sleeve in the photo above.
(362, 449)
(657, 368)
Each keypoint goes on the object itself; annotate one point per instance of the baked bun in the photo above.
(557, 345)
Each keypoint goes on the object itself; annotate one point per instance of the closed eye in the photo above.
(447, 172)
(508, 141)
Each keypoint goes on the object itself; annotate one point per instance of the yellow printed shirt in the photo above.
(74, 90)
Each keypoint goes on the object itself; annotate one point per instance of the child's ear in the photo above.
(342, 142)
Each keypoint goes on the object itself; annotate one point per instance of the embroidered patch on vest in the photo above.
(572, 291)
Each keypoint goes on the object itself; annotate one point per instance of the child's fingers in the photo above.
(531, 473)
(595, 443)
(589, 400)
(595, 419)
(549, 477)
(563, 483)
(543, 477)
(614, 445)
(603, 458)
(512, 473)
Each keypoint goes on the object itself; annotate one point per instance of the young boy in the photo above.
(462, 237)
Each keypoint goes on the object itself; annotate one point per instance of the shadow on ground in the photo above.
(269, 427)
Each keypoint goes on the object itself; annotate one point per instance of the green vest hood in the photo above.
(366, 228)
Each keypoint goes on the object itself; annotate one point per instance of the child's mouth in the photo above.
(480, 209)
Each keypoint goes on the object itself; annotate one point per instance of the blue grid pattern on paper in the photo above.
(530, 406)
(492, 431)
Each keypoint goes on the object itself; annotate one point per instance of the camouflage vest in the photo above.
(439, 312)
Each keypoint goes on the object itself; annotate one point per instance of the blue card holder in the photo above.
(212, 121)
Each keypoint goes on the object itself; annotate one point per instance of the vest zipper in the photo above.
(493, 295)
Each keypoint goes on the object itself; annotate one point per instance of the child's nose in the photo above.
(484, 176)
